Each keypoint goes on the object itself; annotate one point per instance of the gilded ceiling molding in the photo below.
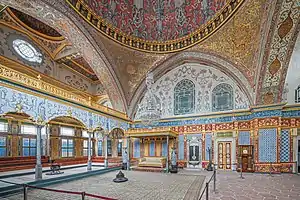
(169, 46)
(280, 43)
(32, 30)
(71, 31)
(173, 61)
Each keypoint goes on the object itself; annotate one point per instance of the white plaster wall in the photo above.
(205, 79)
(293, 74)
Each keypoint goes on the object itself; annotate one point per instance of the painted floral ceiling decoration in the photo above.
(159, 20)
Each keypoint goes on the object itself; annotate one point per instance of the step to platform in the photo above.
(9, 190)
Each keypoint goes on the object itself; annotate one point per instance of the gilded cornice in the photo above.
(156, 46)
(40, 85)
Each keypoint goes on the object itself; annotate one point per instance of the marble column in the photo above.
(105, 148)
(38, 166)
(48, 141)
(89, 163)
(128, 153)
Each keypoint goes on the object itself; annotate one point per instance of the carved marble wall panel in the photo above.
(205, 79)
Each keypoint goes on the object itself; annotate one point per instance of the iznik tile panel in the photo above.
(244, 138)
(164, 148)
(267, 145)
(152, 148)
(136, 148)
(285, 146)
(208, 144)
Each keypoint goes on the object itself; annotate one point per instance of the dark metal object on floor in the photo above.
(209, 166)
(120, 177)
(55, 169)
(174, 169)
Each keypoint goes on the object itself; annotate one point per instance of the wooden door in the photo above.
(224, 155)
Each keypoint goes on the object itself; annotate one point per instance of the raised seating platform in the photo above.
(158, 162)
(18, 163)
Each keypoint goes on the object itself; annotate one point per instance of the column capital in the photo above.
(40, 122)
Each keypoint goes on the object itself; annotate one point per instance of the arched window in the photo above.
(184, 97)
(297, 95)
(222, 97)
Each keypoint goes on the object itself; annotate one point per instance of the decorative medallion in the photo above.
(268, 98)
(156, 26)
(275, 66)
(285, 27)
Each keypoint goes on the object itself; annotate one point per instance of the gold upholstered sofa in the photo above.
(152, 162)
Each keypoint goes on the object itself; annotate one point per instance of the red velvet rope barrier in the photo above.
(70, 192)
(97, 196)
(54, 190)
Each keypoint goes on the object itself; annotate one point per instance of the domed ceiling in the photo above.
(159, 20)
(157, 26)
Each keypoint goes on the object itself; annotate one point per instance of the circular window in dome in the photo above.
(27, 51)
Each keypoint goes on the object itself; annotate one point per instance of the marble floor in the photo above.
(31, 177)
(141, 186)
(185, 185)
(253, 186)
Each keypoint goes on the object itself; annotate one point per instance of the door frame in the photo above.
(233, 150)
(296, 153)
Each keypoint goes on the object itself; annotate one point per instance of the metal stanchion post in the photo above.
(82, 195)
(242, 171)
(215, 179)
(25, 191)
(207, 190)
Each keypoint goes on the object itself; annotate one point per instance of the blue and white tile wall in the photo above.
(267, 145)
(244, 138)
(285, 146)
(181, 147)
(40, 107)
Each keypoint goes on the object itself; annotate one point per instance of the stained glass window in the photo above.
(222, 97)
(27, 51)
(2, 146)
(297, 95)
(29, 147)
(184, 97)
(67, 147)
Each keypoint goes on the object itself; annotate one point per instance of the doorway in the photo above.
(298, 156)
(224, 155)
